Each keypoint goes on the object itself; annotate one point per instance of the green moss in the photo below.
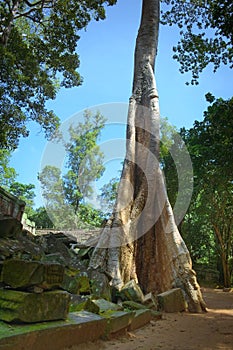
(108, 313)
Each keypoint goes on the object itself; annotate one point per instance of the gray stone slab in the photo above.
(79, 328)
(141, 318)
(118, 321)
(172, 301)
(17, 306)
(105, 305)
(21, 274)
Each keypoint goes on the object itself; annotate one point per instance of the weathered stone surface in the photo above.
(87, 305)
(10, 206)
(53, 245)
(133, 306)
(76, 282)
(22, 247)
(141, 318)
(99, 284)
(80, 327)
(17, 306)
(131, 291)
(172, 301)
(10, 227)
(105, 305)
(21, 274)
(150, 301)
(117, 321)
(75, 302)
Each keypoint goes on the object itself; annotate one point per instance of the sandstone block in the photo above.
(22, 274)
(105, 305)
(141, 318)
(17, 306)
(172, 300)
(118, 321)
(131, 291)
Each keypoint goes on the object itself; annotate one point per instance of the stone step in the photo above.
(80, 327)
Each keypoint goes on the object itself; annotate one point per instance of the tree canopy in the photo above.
(65, 191)
(206, 30)
(38, 41)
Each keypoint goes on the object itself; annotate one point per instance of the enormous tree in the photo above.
(38, 55)
(206, 33)
(141, 240)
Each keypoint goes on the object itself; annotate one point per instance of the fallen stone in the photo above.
(75, 302)
(131, 291)
(76, 282)
(105, 305)
(22, 274)
(117, 321)
(133, 306)
(10, 227)
(80, 327)
(172, 301)
(17, 306)
(87, 305)
(150, 301)
(99, 284)
(141, 318)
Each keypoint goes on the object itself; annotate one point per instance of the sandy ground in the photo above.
(181, 331)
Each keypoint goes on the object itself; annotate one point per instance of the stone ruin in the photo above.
(46, 277)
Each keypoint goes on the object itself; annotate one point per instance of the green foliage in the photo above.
(89, 217)
(85, 159)
(38, 55)
(25, 193)
(210, 144)
(65, 193)
(108, 196)
(7, 174)
(41, 218)
(206, 33)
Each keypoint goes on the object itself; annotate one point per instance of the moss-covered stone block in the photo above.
(87, 305)
(131, 291)
(22, 274)
(17, 306)
(79, 327)
(76, 282)
(132, 305)
(141, 318)
(172, 300)
(99, 284)
(105, 305)
(150, 301)
(117, 321)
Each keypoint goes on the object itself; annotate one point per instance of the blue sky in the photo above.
(106, 52)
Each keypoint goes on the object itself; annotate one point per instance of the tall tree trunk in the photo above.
(141, 240)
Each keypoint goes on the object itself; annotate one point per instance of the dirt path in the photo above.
(182, 331)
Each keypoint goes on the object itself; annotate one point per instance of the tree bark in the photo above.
(141, 240)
